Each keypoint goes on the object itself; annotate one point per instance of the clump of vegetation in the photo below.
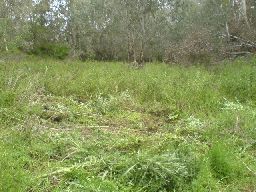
(54, 50)
(91, 126)
(224, 164)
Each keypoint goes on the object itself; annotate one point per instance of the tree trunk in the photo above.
(72, 27)
(227, 31)
(143, 36)
(134, 49)
(6, 46)
(129, 48)
(244, 12)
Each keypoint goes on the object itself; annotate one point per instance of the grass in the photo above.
(74, 126)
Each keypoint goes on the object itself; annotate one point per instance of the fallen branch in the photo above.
(69, 155)
(244, 42)
(241, 53)
(97, 126)
(62, 171)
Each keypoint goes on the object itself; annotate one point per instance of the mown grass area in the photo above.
(73, 126)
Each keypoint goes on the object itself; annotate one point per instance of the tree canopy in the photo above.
(130, 30)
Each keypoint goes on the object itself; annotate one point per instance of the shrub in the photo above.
(197, 47)
(55, 50)
(164, 172)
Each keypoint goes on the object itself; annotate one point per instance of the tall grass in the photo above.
(74, 126)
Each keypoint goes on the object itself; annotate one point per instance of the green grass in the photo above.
(73, 126)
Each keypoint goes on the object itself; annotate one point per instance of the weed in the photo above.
(91, 126)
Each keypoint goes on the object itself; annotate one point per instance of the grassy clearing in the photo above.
(73, 126)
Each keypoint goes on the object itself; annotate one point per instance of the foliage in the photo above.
(131, 30)
(54, 50)
(94, 126)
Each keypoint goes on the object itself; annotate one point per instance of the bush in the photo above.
(197, 47)
(165, 172)
(55, 50)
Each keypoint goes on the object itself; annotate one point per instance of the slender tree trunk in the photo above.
(72, 27)
(74, 38)
(6, 46)
(134, 49)
(244, 12)
(129, 47)
(143, 36)
(227, 31)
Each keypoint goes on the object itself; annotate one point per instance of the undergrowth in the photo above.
(74, 126)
